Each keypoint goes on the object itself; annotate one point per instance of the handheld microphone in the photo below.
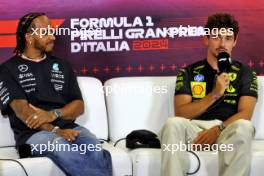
(223, 62)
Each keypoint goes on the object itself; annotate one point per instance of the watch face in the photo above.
(222, 127)
(57, 113)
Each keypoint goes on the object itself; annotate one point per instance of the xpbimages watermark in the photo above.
(197, 147)
(101, 34)
(55, 146)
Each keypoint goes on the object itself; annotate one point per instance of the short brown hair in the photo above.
(222, 20)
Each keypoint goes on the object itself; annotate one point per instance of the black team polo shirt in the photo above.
(48, 84)
(199, 78)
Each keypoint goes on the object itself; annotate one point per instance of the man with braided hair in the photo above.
(41, 97)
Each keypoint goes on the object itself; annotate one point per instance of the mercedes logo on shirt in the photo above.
(55, 67)
(22, 68)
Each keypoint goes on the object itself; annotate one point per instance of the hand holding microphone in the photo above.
(221, 84)
(222, 79)
(223, 62)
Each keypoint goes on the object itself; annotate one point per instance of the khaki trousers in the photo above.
(181, 130)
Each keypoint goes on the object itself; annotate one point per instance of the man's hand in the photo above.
(68, 134)
(222, 83)
(208, 136)
(40, 117)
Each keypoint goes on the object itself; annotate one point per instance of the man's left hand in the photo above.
(39, 117)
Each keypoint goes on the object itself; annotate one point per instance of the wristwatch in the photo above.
(222, 126)
(55, 129)
(57, 113)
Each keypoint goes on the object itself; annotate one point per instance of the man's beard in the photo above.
(42, 48)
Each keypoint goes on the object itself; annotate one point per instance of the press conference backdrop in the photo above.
(135, 37)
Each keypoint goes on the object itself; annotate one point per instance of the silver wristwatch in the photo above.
(222, 126)
(57, 113)
(55, 129)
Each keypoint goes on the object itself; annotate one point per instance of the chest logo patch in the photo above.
(199, 78)
(231, 89)
(232, 76)
(23, 68)
(198, 89)
(55, 67)
(1, 84)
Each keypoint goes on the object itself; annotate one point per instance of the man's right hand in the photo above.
(39, 117)
(68, 134)
(222, 83)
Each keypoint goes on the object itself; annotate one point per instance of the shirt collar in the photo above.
(34, 60)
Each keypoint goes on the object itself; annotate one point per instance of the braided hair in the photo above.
(22, 28)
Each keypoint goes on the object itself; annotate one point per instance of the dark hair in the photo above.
(222, 20)
(22, 28)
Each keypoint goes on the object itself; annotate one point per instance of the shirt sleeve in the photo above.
(249, 83)
(183, 83)
(74, 89)
(9, 89)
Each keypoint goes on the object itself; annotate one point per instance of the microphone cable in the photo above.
(14, 160)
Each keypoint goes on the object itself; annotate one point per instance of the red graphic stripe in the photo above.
(7, 41)
(57, 22)
(10, 26)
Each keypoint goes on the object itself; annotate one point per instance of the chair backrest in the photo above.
(132, 103)
(138, 103)
(6, 133)
(258, 116)
(94, 117)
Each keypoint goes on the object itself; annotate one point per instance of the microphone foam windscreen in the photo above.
(224, 62)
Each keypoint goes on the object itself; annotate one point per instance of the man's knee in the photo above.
(243, 125)
(174, 123)
(243, 128)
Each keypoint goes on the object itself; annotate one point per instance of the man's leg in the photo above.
(98, 159)
(175, 131)
(70, 157)
(240, 134)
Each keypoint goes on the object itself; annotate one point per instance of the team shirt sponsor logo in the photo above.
(231, 89)
(58, 87)
(55, 67)
(232, 76)
(1, 84)
(4, 94)
(30, 90)
(57, 77)
(5, 98)
(199, 78)
(254, 84)
(25, 75)
(26, 79)
(23, 68)
(198, 89)
(2, 91)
